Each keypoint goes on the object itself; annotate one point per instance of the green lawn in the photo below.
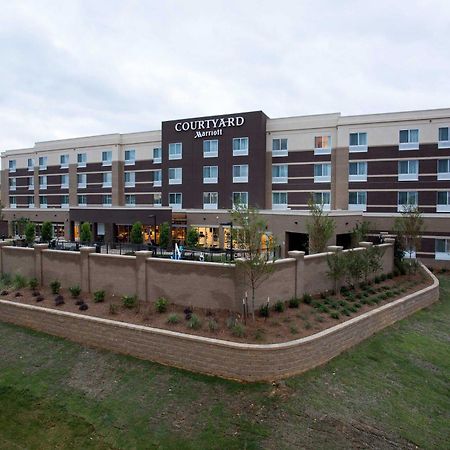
(392, 391)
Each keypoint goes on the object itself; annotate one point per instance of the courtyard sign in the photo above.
(209, 127)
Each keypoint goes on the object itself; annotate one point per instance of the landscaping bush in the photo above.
(129, 301)
(75, 291)
(389, 276)
(383, 277)
(264, 310)
(33, 283)
(173, 319)
(323, 308)
(161, 304)
(278, 306)
(294, 302)
(377, 279)
(113, 309)
(55, 286)
(99, 296)
(19, 281)
(307, 299)
(238, 330)
(334, 315)
(213, 326)
(194, 322)
(293, 329)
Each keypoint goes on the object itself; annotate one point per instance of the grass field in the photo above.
(392, 391)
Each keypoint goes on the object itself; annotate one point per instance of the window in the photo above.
(64, 201)
(31, 183)
(210, 174)
(30, 164)
(12, 184)
(210, 148)
(42, 163)
(210, 200)
(130, 157)
(12, 165)
(322, 145)
(240, 199)
(13, 201)
(279, 173)
(279, 147)
(358, 142)
(175, 175)
(65, 181)
(443, 201)
(130, 200)
(444, 138)
(107, 200)
(240, 146)
(405, 199)
(175, 200)
(107, 158)
(64, 161)
(175, 151)
(130, 179)
(157, 178)
(81, 159)
(443, 169)
(357, 201)
(157, 199)
(442, 249)
(279, 200)
(82, 200)
(322, 198)
(30, 201)
(408, 170)
(409, 139)
(157, 155)
(357, 171)
(81, 180)
(240, 174)
(322, 173)
(43, 182)
(43, 201)
(107, 179)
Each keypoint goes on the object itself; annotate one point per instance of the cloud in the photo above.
(82, 68)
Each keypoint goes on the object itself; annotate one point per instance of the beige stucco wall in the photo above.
(61, 266)
(18, 260)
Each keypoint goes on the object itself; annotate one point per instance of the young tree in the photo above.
(85, 233)
(192, 237)
(164, 235)
(320, 228)
(136, 233)
(30, 232)
(336, 268)
(256, 267)
(354, 267)
(47, 232)
(360, 232)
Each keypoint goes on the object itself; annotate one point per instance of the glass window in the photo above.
(130, 179)
(107, 200)
(107, 158)
(322, 142)
(12, 165)
(175, 150)
(157, 198)
(210, 148)
(42, 163)
(130, 200)
(64, 181)
(240, 146)
(130, 157)
(409, 139)
(322, 198)
(175, 200)
(358, 142)
(322, 170)
(279, 200)
(64, 161)
(357, 198)
(13, 201)
(443, 165)
(408, 170)
(240, 198)
(64, 201)
(43, 182)
(279, 173)
(240, 173)
(157, 178)
(12, 184)
(443, 134)
(210, 174)
(30, 201)
(210, 200)
(357, 169)
(442, 249)
(81, 180)
(157, 155)
(279, 147)
(107, 179)
(30, 183)
(30, 164)
(408, 198)
(43, 201)
(443, 198)
(81, 159)
(175, 175)
(82, 200)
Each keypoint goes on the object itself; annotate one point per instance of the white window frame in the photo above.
(63, 184)
(157, 183)
(282, 150)
(322, 194)
(105, 182)
(43, 205)
(13, 201)
(409, 175)
(30, 204)
(64, 165)
(323, 150)
(176, 205)
(240, 178)
(175, 151)
(30, 166)
(12, 183)
(83, 161)
(107, 204)
(131, 160)
(209, 196)
(31, 185)
(128, 203)
(12, 165)
(131, 182)
(240, 194)
(357, 148)
(210, 179)
(359, 205)
(409, 145)
(43, 160)
(444, 143)
(43, 182)
(82, 197)
(159, 196)
(157, 159)
(401, 206)
(443, 176)
(81, 184)
(65, 204)
(443, 207)
(108, 161)
(280, 179)
(279, 206)
(445, 255)
(241, 150)
(358, 176)
(322, 178)
(175, 175)
(210, 153)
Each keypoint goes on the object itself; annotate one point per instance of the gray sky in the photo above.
(75, 68)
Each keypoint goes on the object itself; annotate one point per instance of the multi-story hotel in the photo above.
(192, 171)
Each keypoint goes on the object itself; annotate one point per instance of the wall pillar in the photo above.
(84, 268)
(299, 271)
(141, 274)
(38, 270)
(365, 244)
(3, 244)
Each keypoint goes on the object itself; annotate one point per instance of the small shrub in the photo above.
(346, 311)
(173, 319)
(194, 322)
(264, 310)
(294, 302)
(377, 279)
(99, 296)
(351, 297)
(343, 303)
(307, 299)
(161, 304)
(323, 309)
(308, 325)
(259, 334)
(19, 281)
(353, 308)
(75, 291)
(383, 277)
(231, 322)
(334, 315)
(343, 290)
(238, 330)
(279, 306)
(129, 301)
(6, 279)
(33, 283)
(389, 276)
(358, 296)
(357, 305)
(55, 286)
(319, 318)
(323, 295)
(316, 304)
(113, 308)
(293, 329)
(83, 307)
(213, 326)
(79, 302)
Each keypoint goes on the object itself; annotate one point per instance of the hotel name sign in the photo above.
(209, 127)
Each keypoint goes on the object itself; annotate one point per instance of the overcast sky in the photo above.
(76, 68)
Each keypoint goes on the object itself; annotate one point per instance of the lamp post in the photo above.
(230, 224)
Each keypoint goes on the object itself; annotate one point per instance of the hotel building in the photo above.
(192, 171)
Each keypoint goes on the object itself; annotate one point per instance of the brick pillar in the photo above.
(3, 244)
(38, 270)
(84, 268)
(141, 274)
(299, 271)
